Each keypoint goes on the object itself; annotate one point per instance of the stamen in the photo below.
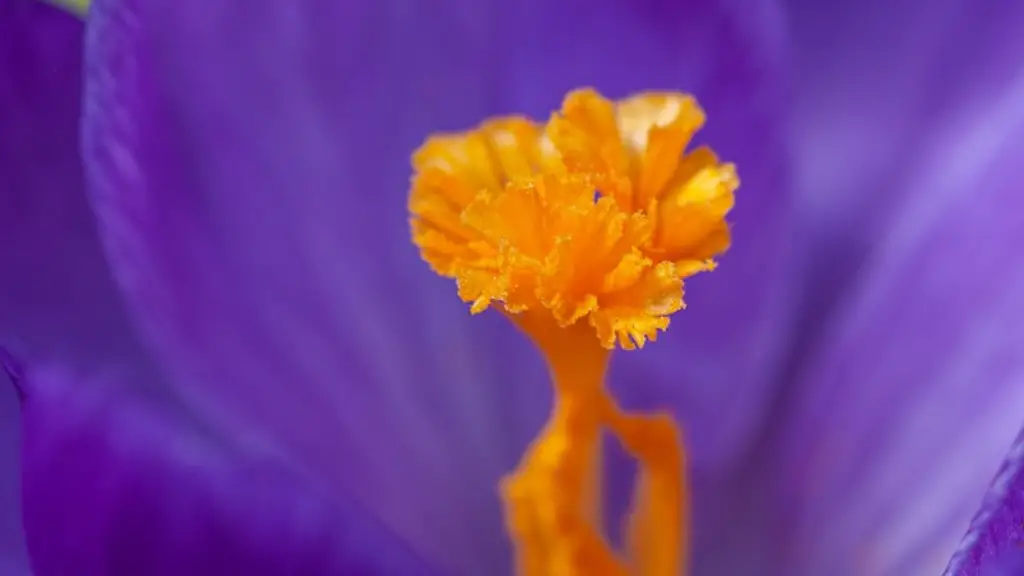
(581, 232)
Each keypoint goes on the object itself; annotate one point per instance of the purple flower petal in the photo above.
(250, 161)
(994, 544)
(872, 93)
(902, 420)
(120, 481)
(57, 298)
(1009, 563)
(13, 557)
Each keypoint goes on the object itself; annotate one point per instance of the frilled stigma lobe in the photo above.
(582, 231)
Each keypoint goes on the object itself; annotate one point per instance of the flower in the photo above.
(296, 358)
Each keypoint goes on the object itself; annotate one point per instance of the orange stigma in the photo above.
(581, 231)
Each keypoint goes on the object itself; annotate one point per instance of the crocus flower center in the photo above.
(581, 231)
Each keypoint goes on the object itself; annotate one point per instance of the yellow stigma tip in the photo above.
(582, 230)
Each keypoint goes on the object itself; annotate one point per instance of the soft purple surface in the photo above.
(1010, 563)
(57, 297)
(249, 165)
(119, 479)
(875, 83)
(55, 290)
(13, 559)
(911, 394)
(994, 545)
(120, 482)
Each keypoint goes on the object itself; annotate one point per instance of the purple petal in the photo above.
(904, 417)
(872, 94)
(57, 297)
(13, 558)
(116, 481)
(250, 163)
(1009, 563)
(994, 544)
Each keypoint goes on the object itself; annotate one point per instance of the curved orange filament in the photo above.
(551, 505)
